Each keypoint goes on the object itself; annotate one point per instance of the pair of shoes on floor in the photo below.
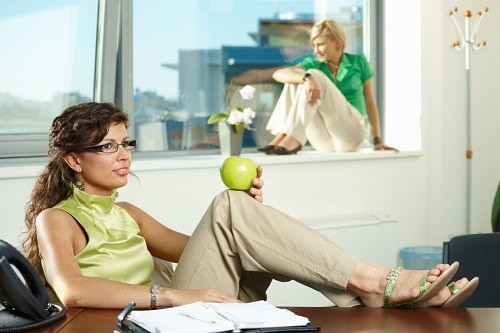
(428, 291)
(278, 150)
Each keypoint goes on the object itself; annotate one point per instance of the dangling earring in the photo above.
(80, 185)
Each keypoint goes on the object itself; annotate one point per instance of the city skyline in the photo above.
(64, 40)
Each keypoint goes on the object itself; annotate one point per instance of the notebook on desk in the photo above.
(259, 316)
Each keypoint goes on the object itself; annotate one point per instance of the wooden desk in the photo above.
(332, 320)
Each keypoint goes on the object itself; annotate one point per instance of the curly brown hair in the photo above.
(77, 127)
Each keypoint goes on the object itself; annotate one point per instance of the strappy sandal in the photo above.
(426, 291)
(458, 295)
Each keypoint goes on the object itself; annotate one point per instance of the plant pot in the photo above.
(230, 141)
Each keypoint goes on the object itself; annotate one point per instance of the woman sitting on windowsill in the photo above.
(325, 100)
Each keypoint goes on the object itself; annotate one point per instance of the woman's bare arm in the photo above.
(60, 238)
(292, 74)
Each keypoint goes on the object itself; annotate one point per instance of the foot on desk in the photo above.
(430, 284)
(460, 291)
(452, 295)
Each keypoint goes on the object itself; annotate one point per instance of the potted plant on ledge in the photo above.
(232, 123)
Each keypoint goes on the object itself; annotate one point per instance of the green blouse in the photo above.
(353, 71)
(115, 249)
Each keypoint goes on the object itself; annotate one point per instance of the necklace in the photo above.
(333, 68)
(331, 64)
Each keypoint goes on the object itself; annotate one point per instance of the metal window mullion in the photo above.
(373, 46)
(124, 74)
(106, 50)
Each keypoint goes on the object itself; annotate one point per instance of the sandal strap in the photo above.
(453, 288)
(391, 280)
(423, 284)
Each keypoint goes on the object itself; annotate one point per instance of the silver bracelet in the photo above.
(155, 290)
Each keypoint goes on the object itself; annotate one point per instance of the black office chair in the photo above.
(495, 211)
(479, 255)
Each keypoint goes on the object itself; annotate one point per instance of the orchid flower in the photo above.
(238, 117)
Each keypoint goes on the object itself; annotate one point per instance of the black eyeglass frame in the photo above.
(127, 145)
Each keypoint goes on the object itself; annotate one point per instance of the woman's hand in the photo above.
(178, 297)
(256, 190)
(381, 146)
(313, 93)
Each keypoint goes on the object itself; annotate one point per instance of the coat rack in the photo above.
(466, 42)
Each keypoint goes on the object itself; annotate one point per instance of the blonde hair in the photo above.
(330, 29)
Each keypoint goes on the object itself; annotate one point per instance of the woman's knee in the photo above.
(229, 199)
(233, 203)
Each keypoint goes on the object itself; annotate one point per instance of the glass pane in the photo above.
(183, 64)
(48, 55)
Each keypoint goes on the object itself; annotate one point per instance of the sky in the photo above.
(210, 24)
(46, 44)
(43, 47)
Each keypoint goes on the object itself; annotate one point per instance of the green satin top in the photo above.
(115, 248)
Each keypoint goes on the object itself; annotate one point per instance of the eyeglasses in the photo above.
(112, 147)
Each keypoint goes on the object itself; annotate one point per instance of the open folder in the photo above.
(259, 316)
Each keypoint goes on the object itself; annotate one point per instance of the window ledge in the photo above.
(32, 168)
(207, 161)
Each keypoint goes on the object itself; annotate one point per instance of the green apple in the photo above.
(237, 172)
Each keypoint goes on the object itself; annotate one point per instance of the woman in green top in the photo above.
(96, 252)
(326, 99)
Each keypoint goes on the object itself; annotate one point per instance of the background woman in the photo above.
(326, 99)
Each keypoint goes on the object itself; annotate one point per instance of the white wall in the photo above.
(444, 121)
(403, 74)
(307, 186)
(424, 192)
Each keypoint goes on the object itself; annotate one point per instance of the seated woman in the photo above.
(97, 252)
(326, 99)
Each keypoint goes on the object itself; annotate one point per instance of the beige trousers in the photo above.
(240, 245)
(332, 124)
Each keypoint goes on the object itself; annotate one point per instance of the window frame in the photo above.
(372, 39)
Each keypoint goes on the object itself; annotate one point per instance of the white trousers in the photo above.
(332, 124)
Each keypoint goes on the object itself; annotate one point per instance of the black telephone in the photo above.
(26, 303)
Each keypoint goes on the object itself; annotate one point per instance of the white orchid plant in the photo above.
(238, 117)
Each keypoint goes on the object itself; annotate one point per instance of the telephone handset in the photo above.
(26, 302)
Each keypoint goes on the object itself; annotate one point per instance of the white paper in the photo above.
(215, 317)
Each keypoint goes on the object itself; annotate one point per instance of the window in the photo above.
(182, 59)
(48, 56)
(184, 64)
